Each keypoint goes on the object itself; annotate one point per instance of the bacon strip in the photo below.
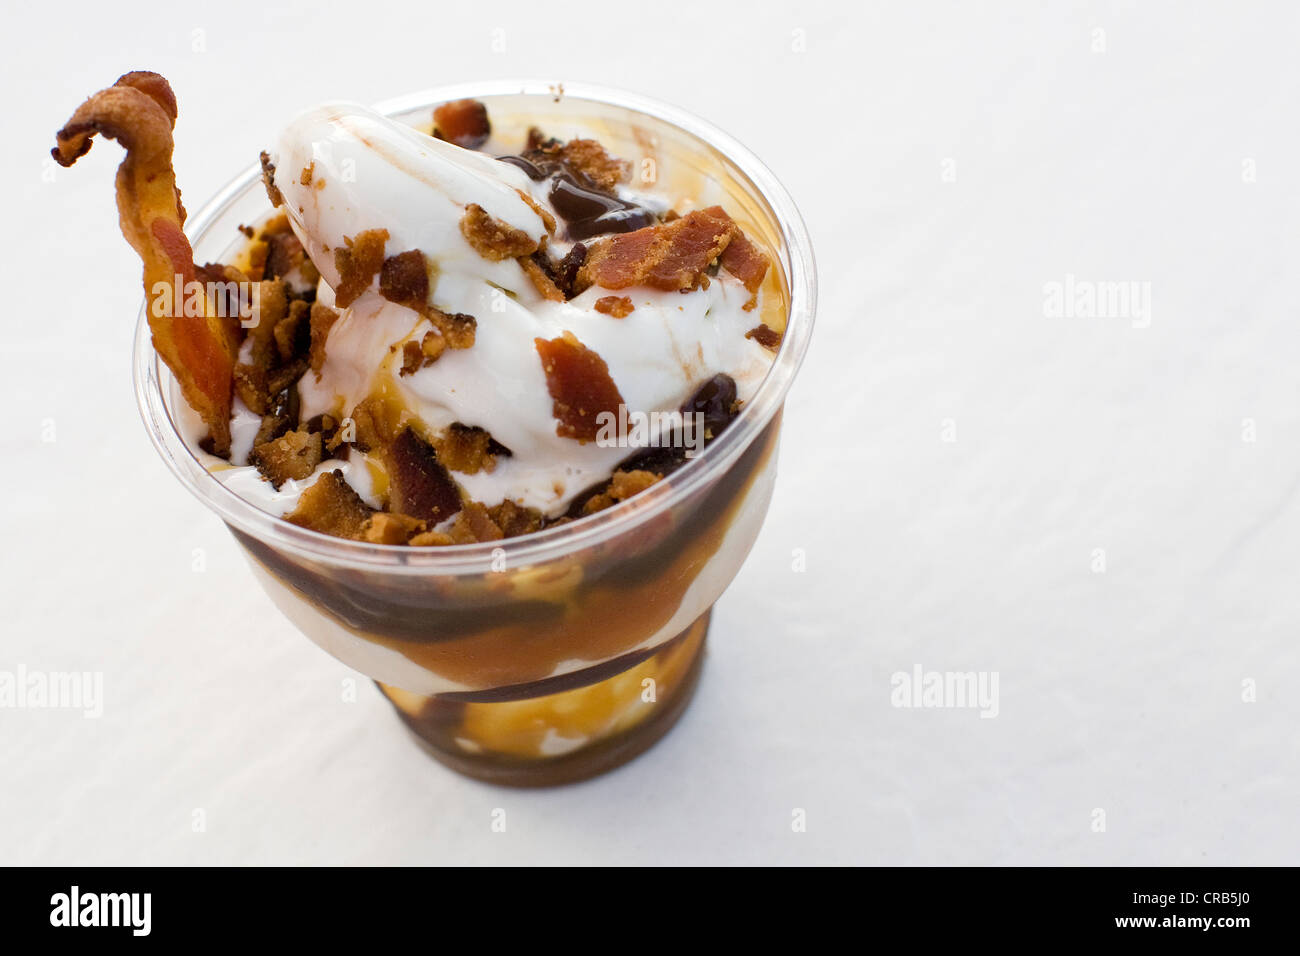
(672, 256)
(139, 111)
(580, 385)
(744, 260)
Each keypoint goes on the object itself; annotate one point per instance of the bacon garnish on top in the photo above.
(463, 122)
(744, 260)
(580, 386)
(139, 111)
(357, 263)
(672, 256)
(675, 255)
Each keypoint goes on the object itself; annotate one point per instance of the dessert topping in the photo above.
(357, 262)
(493, 239)
(745, 261)
(139, 111)
(463, 122)
(623, 484)
(404, 279)
(765, 336)
(619, 306)
(419, 484)
(291, 457)
(321, 320)
(579, 384)
(330, 506)
(671, 256)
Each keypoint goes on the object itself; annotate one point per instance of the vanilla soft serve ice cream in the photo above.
(342, 170)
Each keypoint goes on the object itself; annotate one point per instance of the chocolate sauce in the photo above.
(586, 209)
(588, 212)
(532, 169)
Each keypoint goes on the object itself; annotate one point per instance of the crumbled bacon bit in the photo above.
(225, 291)
(474, 524)
(588, 157)
(290, 338)
(285, 254)
(671, 256)
(250, 386)
(329, 430)
(412, 358)
(338, 437)
(541, 280)
(377, 423)
(466, 448)
(258, 379)
(539, 142)
(268, 180)
(428, 539)
(584, 157)
(462, 122)
(259, 251)
(514, 519)
(744, 260)
(322, 319)
(386, 528)
(281, 378)
(765, 336)
(330, 506)
(292, 456)
(357, 264)
(542, 212)
(619, 306)
(272, 307)
(456, 327)
(420, 485)
(579, 384)
(280, 417)
(623, 485)
(493, 239)
(404, 279)
(421, 354)
(432, 346)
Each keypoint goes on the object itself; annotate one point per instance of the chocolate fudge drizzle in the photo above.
(587, 210)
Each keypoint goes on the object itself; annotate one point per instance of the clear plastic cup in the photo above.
(554, 656)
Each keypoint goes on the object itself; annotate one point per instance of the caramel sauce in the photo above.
(564, 736)
(472, 631)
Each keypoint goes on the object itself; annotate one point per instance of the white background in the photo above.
(1116, 155)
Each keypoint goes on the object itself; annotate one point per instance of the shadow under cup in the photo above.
(554, 656)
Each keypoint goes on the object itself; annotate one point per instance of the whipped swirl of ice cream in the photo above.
(344, 169)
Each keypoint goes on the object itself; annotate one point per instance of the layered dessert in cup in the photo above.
(487, 381)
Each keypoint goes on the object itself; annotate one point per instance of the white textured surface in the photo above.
(1119, 691)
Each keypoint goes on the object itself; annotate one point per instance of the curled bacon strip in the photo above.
(139, 111)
